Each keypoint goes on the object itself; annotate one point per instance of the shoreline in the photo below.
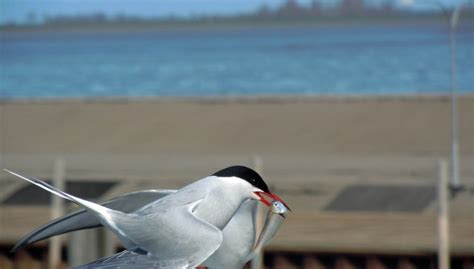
(164, 26)
(239, 98)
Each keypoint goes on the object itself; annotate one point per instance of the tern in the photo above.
(176, 229)
(239, 235)
(232, 255)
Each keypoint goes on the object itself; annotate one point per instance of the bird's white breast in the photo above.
(239, 238)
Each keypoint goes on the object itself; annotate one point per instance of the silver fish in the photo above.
(275, 218)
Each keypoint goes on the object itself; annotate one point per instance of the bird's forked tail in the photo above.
(101, 211)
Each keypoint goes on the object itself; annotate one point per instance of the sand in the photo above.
(358, 125)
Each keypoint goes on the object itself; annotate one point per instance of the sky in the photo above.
(16, 10)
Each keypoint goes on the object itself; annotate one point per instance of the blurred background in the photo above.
(359, 113)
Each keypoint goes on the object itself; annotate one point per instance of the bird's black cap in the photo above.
(244, 173)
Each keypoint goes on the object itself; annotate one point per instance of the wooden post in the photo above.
(257, 261)
(106, 242)
(443, 216)
(57, 209)
(83, 247)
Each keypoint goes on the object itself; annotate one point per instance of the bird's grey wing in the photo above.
(83, 219)
(123, 260)
(174, 236)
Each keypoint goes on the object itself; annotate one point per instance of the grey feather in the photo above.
(123, 260)
(83, 219)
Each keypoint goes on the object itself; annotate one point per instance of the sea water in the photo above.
(297, 60)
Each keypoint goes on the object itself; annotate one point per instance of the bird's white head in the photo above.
(261, 191)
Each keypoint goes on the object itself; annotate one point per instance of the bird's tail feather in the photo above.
(100, 210)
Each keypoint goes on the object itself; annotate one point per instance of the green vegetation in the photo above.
(290, 13)
(221, 23)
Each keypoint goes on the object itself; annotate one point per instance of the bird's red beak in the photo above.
(272, 197)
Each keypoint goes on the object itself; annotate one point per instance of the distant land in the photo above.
(288, 14)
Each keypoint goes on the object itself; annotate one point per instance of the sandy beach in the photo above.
(325, 125)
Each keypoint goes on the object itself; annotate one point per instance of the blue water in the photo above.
(264, 61)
